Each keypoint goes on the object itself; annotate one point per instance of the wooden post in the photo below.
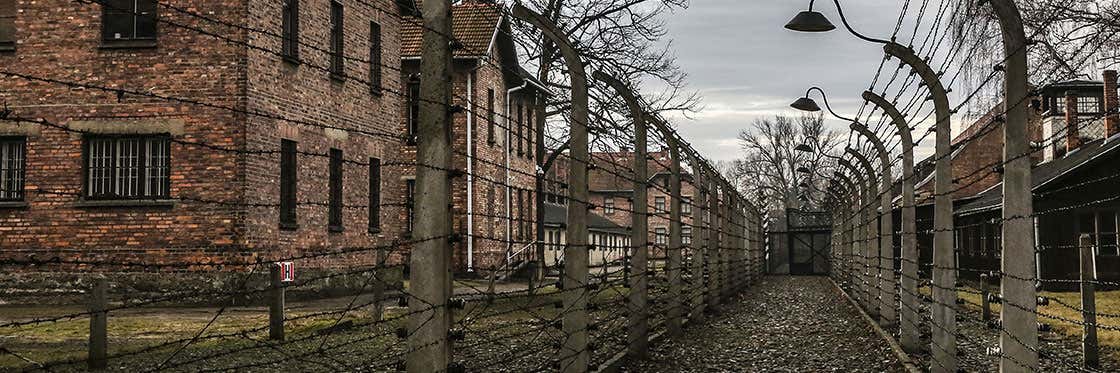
(985, 305)
(98, 325)
(1089, 303)
(275, 304)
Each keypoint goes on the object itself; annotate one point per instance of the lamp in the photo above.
(810, 21)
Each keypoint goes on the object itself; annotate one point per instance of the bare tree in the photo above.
(771, 162)
(1071, 39)
(620, 37)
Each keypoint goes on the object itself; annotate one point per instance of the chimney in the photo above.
(1073, 138)
(1111, 104)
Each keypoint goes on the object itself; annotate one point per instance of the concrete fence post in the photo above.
(275, 303)
(574, 355)
(699, 232)
(713, 256)
(430, 280)
(1088, 303)
(675, 307)
(985, 303)
(378, 312)
(98, 325)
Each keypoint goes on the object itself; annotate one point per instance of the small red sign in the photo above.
(287, 271)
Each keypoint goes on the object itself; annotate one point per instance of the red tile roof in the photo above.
(473, 23)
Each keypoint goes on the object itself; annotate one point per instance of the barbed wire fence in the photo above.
(377, 327)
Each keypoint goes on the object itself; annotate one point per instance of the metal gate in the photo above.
(803, 246)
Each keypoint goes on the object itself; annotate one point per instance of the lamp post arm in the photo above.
(827, 106)
(844, 20)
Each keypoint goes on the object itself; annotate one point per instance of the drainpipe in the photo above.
(470, 168)
(509, 188)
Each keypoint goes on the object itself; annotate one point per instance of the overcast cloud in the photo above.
(747, 66)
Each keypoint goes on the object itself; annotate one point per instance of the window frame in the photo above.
(686, 205)
(659, 204)
(375, 54)
(334, 191)
(608, 206)
(412, 107)
(337, 41)
(289, 30)
(490, 117)
(134, 13)
(410, 206)
(9, 44)
(660, 236)
(289, 184)
(19, 190)
(374, 208)
(141, 167)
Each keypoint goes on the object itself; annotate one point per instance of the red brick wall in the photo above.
(60, 39)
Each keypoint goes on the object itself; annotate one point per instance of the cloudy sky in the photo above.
(747, 66)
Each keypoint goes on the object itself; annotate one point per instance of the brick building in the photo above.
(200, 132)
(494, 141)
(612, 187)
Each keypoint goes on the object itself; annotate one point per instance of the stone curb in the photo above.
(902, 356)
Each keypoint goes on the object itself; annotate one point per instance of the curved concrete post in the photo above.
(699, 235)
(638, 332)
(944, 282)
(1019, 344)
(573, 354)
(852, 193)
(676, 307)
(714, 250)
(871, 252)
(907, 292)
(888, 314)
(859, 232)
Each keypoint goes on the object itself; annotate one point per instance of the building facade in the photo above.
(151, 136)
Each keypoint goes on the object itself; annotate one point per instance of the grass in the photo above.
(1065, 320)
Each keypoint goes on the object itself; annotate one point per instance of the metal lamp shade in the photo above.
(803, 169)
(803, 148)
(810, 21)
(805, 104)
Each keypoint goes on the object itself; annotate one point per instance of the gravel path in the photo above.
(785, 324)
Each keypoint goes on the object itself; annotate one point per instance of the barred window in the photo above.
(128, 20)
(334, 214)
(289, 25)
(375, 58)
(374, 195)
(128, 167)
(288, 180)
(13, 167)
(410, 204)
(337, 66)
(7, 24)
(490, 116)
(413, 117)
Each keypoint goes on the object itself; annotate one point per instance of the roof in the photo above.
(1045, 174)
(473, 23)
(557, 216)
(613, 170)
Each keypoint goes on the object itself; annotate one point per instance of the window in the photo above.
(374, 195)
(13, 168)
(7, 25)
(413, 110)
(289, 25)
(288, 183)
(1106, 228)
(337, 66)
(608, 205)
(686, 206)
(660, 236)
(123, 20)
(659, 204)
(529, 133)
(128, 167)
(334, 205)
(686, 235)
(410, 204)
(520, 213)
(490, 116)
(1088, 105)
(520, 126)
(375, 58)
